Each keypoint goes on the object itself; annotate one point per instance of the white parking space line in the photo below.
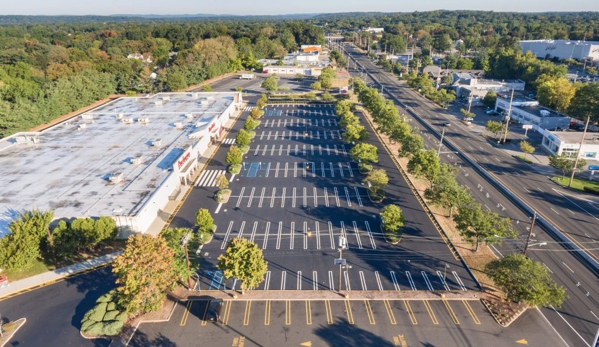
(428, 282)
(332, 169)
(322, 169)
(336, 196)
(218, 208)
(339, 133)
(286, 168)
(261, 197)
(293, 199)
(253, 235)
(288, 149)
(232, 177)
(322, 122)
(226, 238)
(283, 280)
(442, 280)
(268, 136)
(315, 197)
(331, 281)
(240, 197)
(410, 280)
(335, 149)
(344, 234)
(294, 169)
(326, 198)
(317, 232)
(351, 172)
(256, 150)
(358, 196)
(347, 284)
(292, 235)
(305, 197)
(272, 150)
(278, 246)
(266, 230)
(304, 152)
(331, 235)
(305, 235)
(319, 150)
(277, 170)
(372, 242)
(347, 196)
(295, 152)
(261, 136)
(311, 147)
(241, 230)
(363, 280)
(328, 150)
(357, 233)
(251, 196)
(267, 280)
(280, 149)
(459, 280)
(299, 280)
(343, 150)
(314, 280)
(341, 170)
(272, 197)
(394, 280)
(265, 148)
(378, 280)
(276, 135)
(283, 197)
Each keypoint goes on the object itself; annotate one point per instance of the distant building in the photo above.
(562, 49)
(311, 48)
(374, 30)
(140, 57)
(466, 84)
(528, 111)
(568, 143)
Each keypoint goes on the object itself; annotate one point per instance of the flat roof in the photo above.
(67, 170)
(576, 136)
(536, 110)
(566, 42)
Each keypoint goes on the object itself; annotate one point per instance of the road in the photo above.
(577, 320)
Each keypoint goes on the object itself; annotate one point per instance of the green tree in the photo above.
(348, 119)
(482, 226)
(21, 247)
(243, 138)
(145, 271)
(271, 83)
(525, 280)
(585, 102)
(353, 133)
(176, 81)
(393, 221)
(467, 114)
(316, 85)
(556, 94)
(494, 127)
(250, 124)
(565, 163)
(234, 156)
(204, 220)
(490, 98)
(378, 181)
(425, 164)
(243, 260)
(343, 107)
(174, 238)
(411, 145)
(446, 192)
(206, 88)
(365, 154)
(527, 148)
(222, 182)
(256, 113)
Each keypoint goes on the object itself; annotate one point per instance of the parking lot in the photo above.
(297, 193)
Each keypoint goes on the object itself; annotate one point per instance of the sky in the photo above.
(271, 7)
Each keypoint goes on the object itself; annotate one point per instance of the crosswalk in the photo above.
(228, 141)
(208, 178)
(297, 149)
(289, 135)
(248, 108)
(353, 279)
(270, 112)
(304, 197)
(280, 169)
(303, 123)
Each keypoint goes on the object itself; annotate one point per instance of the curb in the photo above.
(7, 337)
(503, 322)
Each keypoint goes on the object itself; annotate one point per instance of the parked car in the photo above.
(213, 314)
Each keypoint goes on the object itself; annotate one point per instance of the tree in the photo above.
(482, 226)
(365, 154)
(243, 138)
(425, 164)
(176, 81)
(494, 127)
(411, 145)
(204, 220)
(490, 98)
(348, 119)
(145, 271)
(222, 182)
(565, 163)
(526, 147)
(21, 247)
(378, 181)
(104, 319)
(446, 192)
(234, 156)
(353, 133)
(525, 280)
(393, 221)
(271, 83)
(250, 124)
(243, 260)
(255, 113)
(316, 85)
(343, 107)
(174, 238)
(206, 88)
(556, 94)
(467, 114)
(585, 102)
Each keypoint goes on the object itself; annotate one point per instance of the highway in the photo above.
(577, 320)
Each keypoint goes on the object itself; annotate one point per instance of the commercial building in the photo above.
(562, 49)
(467, 84)
(126, 159)
(568, 143)
(528, 111)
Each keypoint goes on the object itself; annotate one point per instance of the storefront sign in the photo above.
(211, 127)
(184, 159)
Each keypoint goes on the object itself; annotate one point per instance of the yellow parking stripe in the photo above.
(451, 313)
(186, 313)
(287, 312)
(246, 315)
(390, 312)
(369, 312)
(350, 315)
(267, 313)
(227, 312)
(471, 311)
(410, 312)
(327, 306)
(308, 313)
(204, 322)
(430, 312)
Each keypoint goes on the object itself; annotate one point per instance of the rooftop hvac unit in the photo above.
(82, 126)
(545, 113)
(127, 120)
(210, 98)
(143, 120)
(137, 160)
(87, 116)
(115, 177)
(179, 125)
(157, 143)
(120, 115)
(204, 102)
(158, 102)
(166, 98)
(189, 115)
(194, 96)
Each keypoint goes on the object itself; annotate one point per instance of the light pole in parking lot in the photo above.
(184, 242)
(341, 261)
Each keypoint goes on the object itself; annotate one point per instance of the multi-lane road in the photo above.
(578, 319)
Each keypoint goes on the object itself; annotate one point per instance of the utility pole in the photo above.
(441, 142)
(469, 102)
(532, 225)
(342, 243)
(184, 242)
(578, 153)
(508, 116)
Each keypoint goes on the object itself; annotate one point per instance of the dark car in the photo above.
(213, 314)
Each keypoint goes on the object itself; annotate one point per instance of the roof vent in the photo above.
(127, 120)
(545, 113)
(137, 160)
(189, 115)
(158, 102)
(179, 125)
(82, 126)
(115, 178)
(166, 98)
(143, 120)
(120, 115)
(87, 116)
(157, 143)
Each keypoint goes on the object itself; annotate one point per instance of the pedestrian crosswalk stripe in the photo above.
(208, 178)
(228, 141)
(248, 108)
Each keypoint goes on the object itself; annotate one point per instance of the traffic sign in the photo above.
(527, 126)
(593, 167)
(340, 262)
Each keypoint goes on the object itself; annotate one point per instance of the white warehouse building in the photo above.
(568, 143)
(125, 159)
(562, 49)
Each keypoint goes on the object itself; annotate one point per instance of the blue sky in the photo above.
(245, 7)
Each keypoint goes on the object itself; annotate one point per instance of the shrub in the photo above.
(245, 149)
(591, 189)
(234, 156)
(234, 169)
(104, 319)
(242, 138)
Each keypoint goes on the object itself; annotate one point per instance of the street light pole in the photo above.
(185, 241)
(532, 225)
(579, 149)
(441, 142)
(507, 118)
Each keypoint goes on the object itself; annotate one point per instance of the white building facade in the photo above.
(562, 49)
(568, 143)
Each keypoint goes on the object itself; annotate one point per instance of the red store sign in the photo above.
(183, 160)
(211, 127)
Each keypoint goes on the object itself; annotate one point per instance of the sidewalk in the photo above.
(15, 288)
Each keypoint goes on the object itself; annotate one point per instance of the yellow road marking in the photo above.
(327, 305)
(308, 313)
(227, 312)
(369, 312)
(430, 312)
(246, 315)
(410, 312)
(186, 313)
(390, 312)
(451, 313)
(287, 312)
(204, 322)
(471, 311)
(350, 315)
(267, 313)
